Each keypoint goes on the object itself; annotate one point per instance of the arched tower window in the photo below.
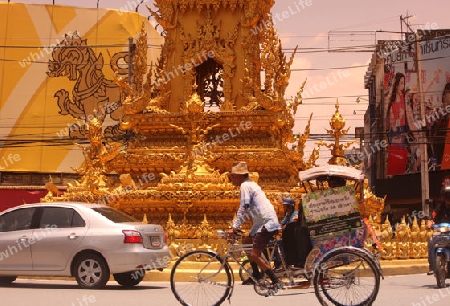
(210, 83)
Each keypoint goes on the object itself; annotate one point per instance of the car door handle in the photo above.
(23, 239)
(72, 236)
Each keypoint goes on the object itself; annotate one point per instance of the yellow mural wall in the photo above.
(34, 124)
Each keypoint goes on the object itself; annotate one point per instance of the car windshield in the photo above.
(114, 215)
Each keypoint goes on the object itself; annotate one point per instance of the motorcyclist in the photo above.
(441, 214)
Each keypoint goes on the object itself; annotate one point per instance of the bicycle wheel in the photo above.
(195, 279)
(347, 276)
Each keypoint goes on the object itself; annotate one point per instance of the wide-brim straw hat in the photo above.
(239, 168)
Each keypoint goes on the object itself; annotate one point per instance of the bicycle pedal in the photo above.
(271, 292)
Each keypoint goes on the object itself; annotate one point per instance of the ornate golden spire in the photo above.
(337, 124)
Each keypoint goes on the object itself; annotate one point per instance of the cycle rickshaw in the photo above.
(341, 270)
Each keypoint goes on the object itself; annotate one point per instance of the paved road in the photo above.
(411, 290)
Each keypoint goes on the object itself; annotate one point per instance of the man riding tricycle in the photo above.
(341, 270)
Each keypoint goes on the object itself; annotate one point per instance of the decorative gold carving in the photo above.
(165, 16)
(204, 232)
(337, 124)
(373, 205)
(313, 158)
(52, 190)
(138, 95)
(301, 142)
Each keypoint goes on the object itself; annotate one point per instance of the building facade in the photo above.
(406, 122)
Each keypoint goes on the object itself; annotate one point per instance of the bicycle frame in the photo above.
(269, 256)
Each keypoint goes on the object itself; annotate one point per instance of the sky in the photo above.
(318, 27)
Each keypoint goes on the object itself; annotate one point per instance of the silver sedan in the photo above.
(87, 241)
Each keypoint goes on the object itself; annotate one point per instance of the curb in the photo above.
(388, 268)
(404, 267)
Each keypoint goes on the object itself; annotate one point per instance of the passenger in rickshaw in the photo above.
(296, 242)
(290, 215)
(441, 214)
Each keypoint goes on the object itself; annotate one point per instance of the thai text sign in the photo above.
(331, 211)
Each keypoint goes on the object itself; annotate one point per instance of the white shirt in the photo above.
(255, 205)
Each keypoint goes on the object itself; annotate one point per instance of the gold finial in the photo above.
(337, 124)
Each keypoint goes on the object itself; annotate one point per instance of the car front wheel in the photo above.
(6, 280)
(129, 279)
(91, 271)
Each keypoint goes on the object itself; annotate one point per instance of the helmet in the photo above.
(288, 201)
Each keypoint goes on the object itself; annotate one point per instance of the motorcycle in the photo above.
(441, 243)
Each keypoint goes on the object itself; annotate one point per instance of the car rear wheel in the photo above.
(91, 271)
(129, 279)
(6, 280)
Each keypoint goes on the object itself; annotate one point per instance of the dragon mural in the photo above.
(94, 96)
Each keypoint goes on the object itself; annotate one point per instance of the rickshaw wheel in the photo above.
(347, 276)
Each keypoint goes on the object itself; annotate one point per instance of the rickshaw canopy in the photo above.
(331, 170)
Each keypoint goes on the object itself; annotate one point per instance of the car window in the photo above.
(61, 217)
(77, 220)
(17, 220)
(114, 215)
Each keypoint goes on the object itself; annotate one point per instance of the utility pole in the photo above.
(424, 176)
(425, 181)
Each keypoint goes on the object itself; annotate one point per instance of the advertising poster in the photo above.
(403, 119)
(331, 211)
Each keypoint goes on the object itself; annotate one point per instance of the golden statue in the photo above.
(403, 238)
(387, 244)
(414, 248)
(424, 236)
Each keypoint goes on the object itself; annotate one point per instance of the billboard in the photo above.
(407, 129)
(56, 71)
